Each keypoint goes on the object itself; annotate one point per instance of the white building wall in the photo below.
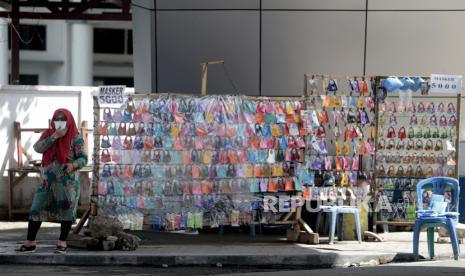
(33, 107)
(53, 66)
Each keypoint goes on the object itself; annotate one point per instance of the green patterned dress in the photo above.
(56, 197)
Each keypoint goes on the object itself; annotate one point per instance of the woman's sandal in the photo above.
(26, 249)
(60, 249)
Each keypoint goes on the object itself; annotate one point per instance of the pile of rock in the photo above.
(104, 233)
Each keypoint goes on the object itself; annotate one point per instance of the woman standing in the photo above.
(57, 195)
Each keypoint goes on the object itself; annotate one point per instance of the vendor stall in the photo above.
(181, 162)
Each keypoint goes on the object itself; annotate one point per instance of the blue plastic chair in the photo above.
(429, 219)
(334, 211)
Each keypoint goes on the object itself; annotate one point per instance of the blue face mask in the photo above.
(407, 83)
(252, 156)
(332, 86)
(391, 83)
(417, 81)
(254, 186)
(222, 170)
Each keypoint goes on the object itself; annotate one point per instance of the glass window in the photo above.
(128, 81)
(32, 37)
(129, 42)
(25, 79)
(109, 41)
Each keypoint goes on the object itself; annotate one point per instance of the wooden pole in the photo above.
(19, 148)
(204, 77)
(457, 134)
(204, 74)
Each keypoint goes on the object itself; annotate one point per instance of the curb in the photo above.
(324, 260)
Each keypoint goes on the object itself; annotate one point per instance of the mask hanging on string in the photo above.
(405, 94)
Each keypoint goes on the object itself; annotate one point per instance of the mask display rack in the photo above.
(417, 138)
(181, 161)
(172, 161)
(340, 150)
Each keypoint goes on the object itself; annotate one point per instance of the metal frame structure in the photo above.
(110, 10)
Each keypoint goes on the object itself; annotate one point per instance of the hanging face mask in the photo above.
(332, 85)
(451, 108)
(433, 120)
(391, 83)
(336, 102)
(351, 119)
(417, 82)
(413, 120)
(354, 87)
(443, 121)
(325, 100)
(312, 85)
(364, 119)
(430, 108)
(392, 120)
(452, 120)
(361, 102)
(363, 86)
(391, 133)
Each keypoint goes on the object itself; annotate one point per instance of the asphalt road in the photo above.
(449, 268)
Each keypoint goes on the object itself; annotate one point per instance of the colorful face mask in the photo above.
(354, 85)
(451, 108)
(452, 121)
(363, 85)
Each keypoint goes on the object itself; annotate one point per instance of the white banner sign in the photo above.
(111, 94)
(446, 84)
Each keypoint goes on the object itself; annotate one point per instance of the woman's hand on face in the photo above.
(59, 133)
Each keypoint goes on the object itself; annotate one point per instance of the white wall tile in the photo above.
(185, 39)
(295, 43)
(415, 4)
(208, 4)
(314, 4)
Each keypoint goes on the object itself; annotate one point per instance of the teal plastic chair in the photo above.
(432, 217)
(334, 211)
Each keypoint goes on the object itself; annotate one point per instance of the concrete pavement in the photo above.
(210, 249)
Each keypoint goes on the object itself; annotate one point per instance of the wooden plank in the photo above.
(19, 147)
(17, 180)
(11, 176)
(287, 216)
(20, 210)
(305, 225)
(82, 221)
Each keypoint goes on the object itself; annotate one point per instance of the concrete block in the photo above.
(112, 238)
(82, 242)
(108, 245)
(292, 235)
(310, 238)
